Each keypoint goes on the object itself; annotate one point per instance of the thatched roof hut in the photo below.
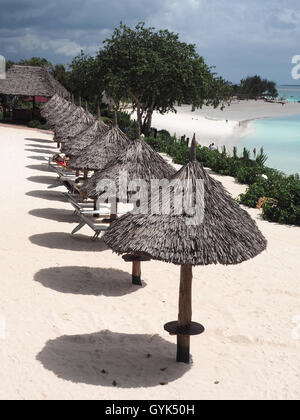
(101, 151)
(76, 144)
(225, 234)
(139, 161)
(31, 81)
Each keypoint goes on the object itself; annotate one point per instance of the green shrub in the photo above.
(282, 191)
(39, 125)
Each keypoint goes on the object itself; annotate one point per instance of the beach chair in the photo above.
(97, 225)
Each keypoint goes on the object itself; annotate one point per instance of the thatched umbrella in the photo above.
(57, 116)
(83, 123)
(73, 124)
(101, 151)
(138, 160)
(76, 144)
(51, 105)
(226, 235)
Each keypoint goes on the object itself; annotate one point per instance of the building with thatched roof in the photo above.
(28, 81)
(31, 81)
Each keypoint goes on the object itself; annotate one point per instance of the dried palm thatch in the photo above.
(31, 81)
(75, 145)
(73, 123)
(139, 161)
(101, 151)
(83, 123)
(227, 235)
(59, 115)
(53, 104)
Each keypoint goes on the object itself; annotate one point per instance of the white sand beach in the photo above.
(223, 127)
(74, 324)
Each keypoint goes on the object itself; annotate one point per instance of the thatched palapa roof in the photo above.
(101, 151)
(51, 105)
(57, 116)
(74, 120)
(31, 81)
(85, 121)
(83, 139)
(139, 161)
(227, 235)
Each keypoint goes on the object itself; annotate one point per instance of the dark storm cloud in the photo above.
(239, 36)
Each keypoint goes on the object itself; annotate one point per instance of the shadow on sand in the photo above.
(68, 242)
(41, 146)
(113, 359)
(87, 281)
(57, 215)
(42, 168)
(48, 180)
(39, 158)
(40, 141)
(47, 195)
(46, 151)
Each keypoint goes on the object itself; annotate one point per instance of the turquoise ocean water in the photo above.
(290, 93)
(280, 138)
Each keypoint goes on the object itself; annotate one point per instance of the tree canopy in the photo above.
(157, 71)
(256, 86)
(84, 77)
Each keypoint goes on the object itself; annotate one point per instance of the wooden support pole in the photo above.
(96, 207)
(185, 312)
(114, 211)
(77, 173)
(99, 112)
(85, 174)
(79, 101)
(136, 273)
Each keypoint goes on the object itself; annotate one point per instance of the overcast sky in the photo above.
(240, 37)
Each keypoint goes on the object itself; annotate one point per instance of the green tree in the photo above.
(37, 62)
(60, 73)
(157, 71)
(9, 64)
(83, 77)
(255, 87)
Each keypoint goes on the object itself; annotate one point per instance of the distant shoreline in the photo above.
(224, 128)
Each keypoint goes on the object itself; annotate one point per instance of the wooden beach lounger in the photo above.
(97, 219)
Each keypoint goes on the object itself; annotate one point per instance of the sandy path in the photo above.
(71, 311)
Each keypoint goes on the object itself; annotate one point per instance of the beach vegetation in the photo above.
(157, 72)
(280, 193)
(253, 87)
